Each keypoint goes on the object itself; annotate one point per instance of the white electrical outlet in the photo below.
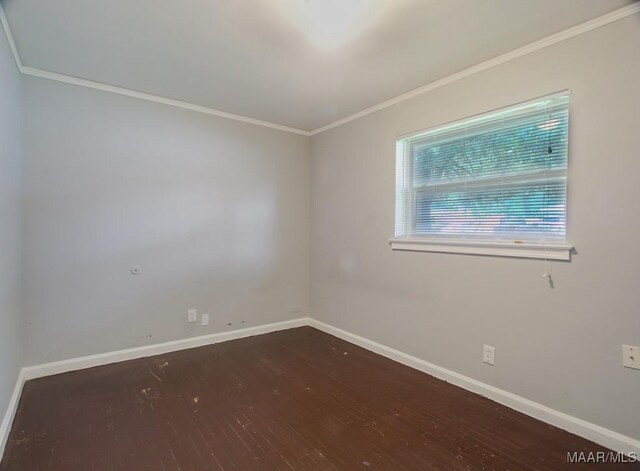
(489, 354)
(192, 315)
(205, 319)
(631, 356)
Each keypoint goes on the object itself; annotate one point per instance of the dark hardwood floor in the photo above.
(298, 399)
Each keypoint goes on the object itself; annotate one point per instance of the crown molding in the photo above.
(521, 51)
(45, 74)
(585, 27)
(9, 35)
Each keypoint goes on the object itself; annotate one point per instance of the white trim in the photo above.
(12, 43)
(73, 364)
(33, 72)
(9, 415)
(45, 74)
(421, 133)
(57, 367)
(516, 53)
(529, 48)
(498, 249)
(601, 435)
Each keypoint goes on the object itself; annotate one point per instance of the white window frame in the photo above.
(546, 250)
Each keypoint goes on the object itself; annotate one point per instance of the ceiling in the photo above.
(274, 60)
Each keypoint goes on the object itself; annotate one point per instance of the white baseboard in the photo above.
(5, 426)
(582, 428)
(64, 366)
(603, 436)
(57, 367)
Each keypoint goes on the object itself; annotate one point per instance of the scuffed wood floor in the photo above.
(292, 400)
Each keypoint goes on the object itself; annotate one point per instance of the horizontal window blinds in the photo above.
(498, 176)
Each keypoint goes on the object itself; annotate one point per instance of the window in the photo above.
(493, 184)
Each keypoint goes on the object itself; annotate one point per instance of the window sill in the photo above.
(497, 249)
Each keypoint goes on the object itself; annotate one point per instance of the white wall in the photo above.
(215, 212)
(560, 347)
(11, 322)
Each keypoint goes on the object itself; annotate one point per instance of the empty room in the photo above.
(319, 235)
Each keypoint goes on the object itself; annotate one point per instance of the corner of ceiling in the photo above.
(555, 38)
(9, 35)
(45, 74)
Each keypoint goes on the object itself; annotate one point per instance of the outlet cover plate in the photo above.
(192, 315)
(631, 356)
(489, 354)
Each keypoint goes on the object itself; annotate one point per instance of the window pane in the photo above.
(501, 175)
(517, 211)
(536, 143)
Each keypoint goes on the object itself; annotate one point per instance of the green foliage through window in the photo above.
(500, 176)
